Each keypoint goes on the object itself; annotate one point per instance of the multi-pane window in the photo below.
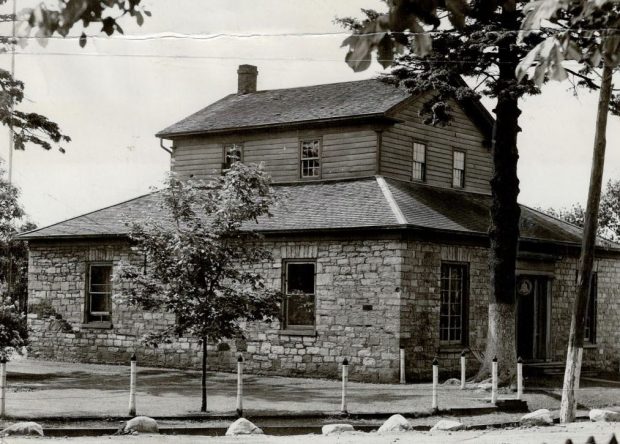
(453, 311)
(311, 158)
(458, 169)
(98, 301)
(233, 152)
(590, 327)
(419, 161)
(299, 292)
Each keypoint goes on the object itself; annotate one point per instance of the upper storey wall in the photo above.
(441, 142)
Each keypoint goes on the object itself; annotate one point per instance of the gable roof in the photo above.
(342, 205)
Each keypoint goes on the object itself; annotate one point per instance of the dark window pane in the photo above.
(99, 303)
(300, 309)
(300, 278)
(100, 274)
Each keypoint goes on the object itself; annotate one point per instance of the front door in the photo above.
(533, 317)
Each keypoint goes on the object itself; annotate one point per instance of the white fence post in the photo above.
(345, 379)
(240, 386)
(402, 365)
(435, 381)
(132, 385)
(2, 387)
(519, 378)
(463, 363)
(494, 381)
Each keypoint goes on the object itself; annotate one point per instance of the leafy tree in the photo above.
(201, 258)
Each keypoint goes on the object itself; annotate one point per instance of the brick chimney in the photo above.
(246, 76)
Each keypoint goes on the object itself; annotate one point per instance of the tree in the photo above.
(479, 42)
(201, 259)
(589, 33)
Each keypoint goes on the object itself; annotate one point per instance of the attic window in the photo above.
(310, 158)
(233, 152)
(419, 161)
(458, 169)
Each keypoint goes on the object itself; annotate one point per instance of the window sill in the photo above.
(590, 345)
(101, 325)
(446, 349)
(297, 332)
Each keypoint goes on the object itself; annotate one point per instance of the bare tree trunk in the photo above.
(586, 261)
(203, 405)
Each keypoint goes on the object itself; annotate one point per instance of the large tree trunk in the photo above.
(586, 261)
(505, 212)
(203, 405)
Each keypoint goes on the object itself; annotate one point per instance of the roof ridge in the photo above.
(387, 193)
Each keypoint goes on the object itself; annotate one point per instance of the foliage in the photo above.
(13, 330)
(200, 256)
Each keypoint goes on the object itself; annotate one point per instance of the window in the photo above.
(453, 311)
(233, 152)
(299, 292)
(458, 169)
(589, 334)
(311, 158)
(98, 301)
(419, 161)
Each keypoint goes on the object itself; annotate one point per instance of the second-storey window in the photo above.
(99, 295)
(453, 310)
(299, 293)
(310, 158)
(458, 169)
(419, 161)
(233, 152)
(589, 334)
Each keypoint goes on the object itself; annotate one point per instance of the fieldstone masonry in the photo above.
(372, 297)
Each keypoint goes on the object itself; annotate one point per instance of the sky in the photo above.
(112, 96)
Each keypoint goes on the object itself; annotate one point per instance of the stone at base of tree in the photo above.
(23, 428)
(395, 423)
(243, 427)
(141, 424)
(539, 417)
(600, 415)
(485, 386)
(452, 381)
(332, 429)
(447, 425)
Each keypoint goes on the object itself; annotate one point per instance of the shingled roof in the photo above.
(343, 205)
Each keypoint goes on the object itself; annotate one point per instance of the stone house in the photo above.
(380, 244)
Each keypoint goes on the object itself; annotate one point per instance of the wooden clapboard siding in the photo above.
(347, 152)
(461, 134)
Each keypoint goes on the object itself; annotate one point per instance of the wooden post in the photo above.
(2, 387)
(494, 381)
(402, 366)
(435, 381)
(345, 379)
(240, 386)
(463, 369)
(519, 378)
(132, 385)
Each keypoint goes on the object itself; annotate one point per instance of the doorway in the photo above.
(533, 317)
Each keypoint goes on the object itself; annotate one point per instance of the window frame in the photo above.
(464, 340)
(89, 317)
(591, 316)
(319, 158)
(294, 327)
(423, 164)
(225, 146)
(454, 169)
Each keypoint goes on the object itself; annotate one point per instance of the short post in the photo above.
(132, 386)
(345, 379)
(494, 381)
(519, 378)
(240, 386)
(463, 353)
(402, 365)
(435, 381)
(2, 387)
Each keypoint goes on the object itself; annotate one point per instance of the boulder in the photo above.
(447, 425)
(333, 429)
(141, 424)
(23, 428)
(243, 427)
(395, 423)
(485, 386)
(452, 381)
(539, 417)
(600, 415)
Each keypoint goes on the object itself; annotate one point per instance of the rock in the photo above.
(23, 428)
(540, 417)
(243, 427)
(452, 381)
(395, 423)
(447, 425)
(332, 429)
(485, 386)
(141, 424)
(599, 415)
